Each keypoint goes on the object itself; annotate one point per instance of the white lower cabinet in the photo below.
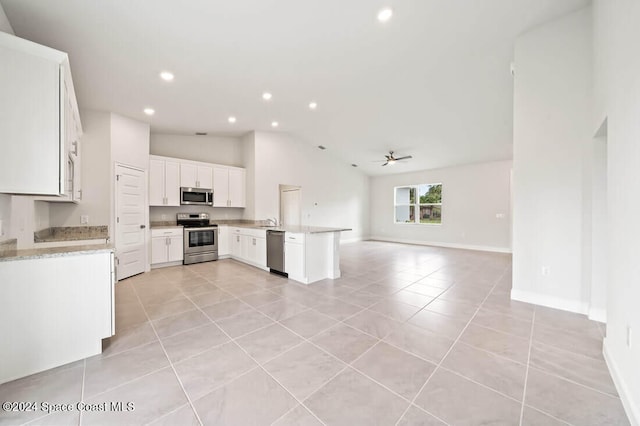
(166, 246)
(54, 310)
(224, 241)
(249, 246)
(295, 256)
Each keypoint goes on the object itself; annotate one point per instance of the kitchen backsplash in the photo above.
(71, 233)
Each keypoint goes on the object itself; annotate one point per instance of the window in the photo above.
(419, 204)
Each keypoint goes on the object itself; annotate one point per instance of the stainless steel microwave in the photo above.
(197, 196)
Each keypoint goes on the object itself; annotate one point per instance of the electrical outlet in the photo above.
(546, 271)
(164, 217)
(629, 336)
(84, 219)
(500, 215)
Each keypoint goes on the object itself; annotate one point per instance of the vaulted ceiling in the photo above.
(433, 82)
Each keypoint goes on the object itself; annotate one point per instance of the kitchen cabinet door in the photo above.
(236, 245)
(223, 241)
(260, 252)
(236, 187)
(156, 183)
(205, 177)
(175, 249)
(220, 187)
(159, 252)
(30, 128)
(294, 261)
(172, 183)
(188, 175)
(164, 182)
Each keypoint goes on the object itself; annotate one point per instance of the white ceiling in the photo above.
(433, 82)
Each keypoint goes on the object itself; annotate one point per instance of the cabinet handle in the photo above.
(79, 194)
(75, 148)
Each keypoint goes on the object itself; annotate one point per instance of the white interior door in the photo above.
(130, 221)
(290, 210)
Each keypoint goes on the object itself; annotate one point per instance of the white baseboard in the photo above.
(599, 315)
(441, 244)
(630, 407)
(549, 301)
(352, 240)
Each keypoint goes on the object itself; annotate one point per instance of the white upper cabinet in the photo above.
(220, 187)
(164, 181)
(228, 186)
(40, 119)
(237, 187)
(193, 175)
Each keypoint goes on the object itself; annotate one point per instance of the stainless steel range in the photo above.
(200, 238)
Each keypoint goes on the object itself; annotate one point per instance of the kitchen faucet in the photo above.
(274, 220)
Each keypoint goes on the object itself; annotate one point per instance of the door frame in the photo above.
(287, 188)
(147, 233)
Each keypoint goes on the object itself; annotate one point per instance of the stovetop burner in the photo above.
(193, 220)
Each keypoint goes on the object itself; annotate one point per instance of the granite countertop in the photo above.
(258, 225)
(71, 233)
(295, 229)
(40, 253)
(154, 226)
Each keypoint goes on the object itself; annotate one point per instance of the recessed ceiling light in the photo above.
(149, 111)
(313, 105)
(232, 120)
(274, 124)
(267, 96)
(385, 14)
(166, 76)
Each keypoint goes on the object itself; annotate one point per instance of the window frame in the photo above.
(416, 204)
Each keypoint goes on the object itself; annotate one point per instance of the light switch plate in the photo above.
(84, 219)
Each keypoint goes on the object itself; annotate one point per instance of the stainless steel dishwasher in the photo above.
(275, 251)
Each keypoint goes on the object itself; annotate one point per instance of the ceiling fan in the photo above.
(392, 160)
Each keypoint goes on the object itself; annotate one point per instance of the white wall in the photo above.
(5, 216)
(210, 149)
(5, 25)
(249, 162)
(472, 195)
(129, 147)
(129, 142)
(552, 116)
(333, 193)
(95, 173)
(617, 78)
(42, 215)
(5, 199)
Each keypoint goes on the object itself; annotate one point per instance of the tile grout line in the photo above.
(526, 374)
(452, 345)
(84, 375)
(168, 358)
(258, 365)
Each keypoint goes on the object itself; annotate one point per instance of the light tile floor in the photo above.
(409, 335)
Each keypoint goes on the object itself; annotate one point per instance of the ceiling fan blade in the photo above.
(406, 157)
(385, 164)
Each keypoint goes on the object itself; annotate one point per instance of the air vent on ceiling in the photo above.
(322, 147)
(201, 133)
